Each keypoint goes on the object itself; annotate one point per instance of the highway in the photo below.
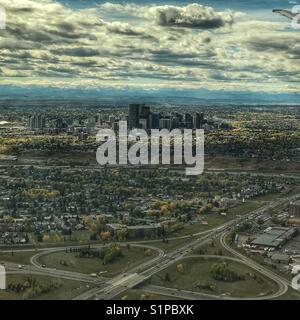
(13, 268)
(132, 279)
(283, 283)
(105, 288)
(43, 252)
(175, 168)
(192, 295)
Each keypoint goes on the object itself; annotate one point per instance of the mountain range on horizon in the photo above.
(117, 96)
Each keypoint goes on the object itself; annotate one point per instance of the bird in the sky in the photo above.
(286, 13)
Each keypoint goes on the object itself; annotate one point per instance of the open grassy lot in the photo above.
(66, 289)
(269, 196)
(134, 294)
(291, 294)
(244, 208)
(196, 276)
(21, 257)
(213, 247)
(72, 262)
(249, 164)
(170, 245)
(215, 220)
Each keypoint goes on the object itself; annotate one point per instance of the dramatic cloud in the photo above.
(148, 46)
(192, 16)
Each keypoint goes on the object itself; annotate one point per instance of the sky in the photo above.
(199, 48)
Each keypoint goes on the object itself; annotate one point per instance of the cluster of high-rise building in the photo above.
(140, 116)
(36, 122)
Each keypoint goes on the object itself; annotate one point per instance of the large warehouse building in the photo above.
(275, 237)
(294, 208)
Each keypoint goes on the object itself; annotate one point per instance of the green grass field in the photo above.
(215, 220)
(131, 257)
(196, 274)
(213, 247)
(249, 164)
(21, 257)
(134, 294)
(291, 294)
(171, 244)
(67, 290)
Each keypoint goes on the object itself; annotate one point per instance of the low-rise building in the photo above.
(274, 237)
(281, 258)
(294, 208)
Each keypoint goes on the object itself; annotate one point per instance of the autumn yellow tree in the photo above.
(105, 235)
(180, 268)
(121, 234)
(46, 238)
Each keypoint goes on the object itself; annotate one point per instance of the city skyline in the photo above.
(200, 48)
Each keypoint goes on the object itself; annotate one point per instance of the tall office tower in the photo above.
(198, 120)
(133, 116)
(99, 119)
(115, 126)
(144, 117)
(174, 122)
(111, 119)
(144, 111)
(154, 121)
(90, 125)
(104, 117)
(188, 121)
(39, 121)
(31, 122)
(60, 123)
(179, 116)
(36, 122)
(144, 123)
(165, 123)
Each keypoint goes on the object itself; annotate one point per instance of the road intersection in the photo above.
(108, 288)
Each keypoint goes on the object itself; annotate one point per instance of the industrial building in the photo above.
(275, 237)
(294, 208)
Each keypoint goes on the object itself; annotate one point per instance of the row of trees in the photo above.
(107, 254)
(222, 272)
(32, 287)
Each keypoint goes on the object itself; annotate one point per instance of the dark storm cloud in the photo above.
(284, 45)
(76, 52)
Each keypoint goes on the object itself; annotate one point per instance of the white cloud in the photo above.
(152, 46)
(192, 16)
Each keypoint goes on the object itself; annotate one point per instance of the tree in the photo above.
(260, 221)
(46, 238)
(147, 252)
(222, 272)
(180, 268)
(167, 277)
(105, 235)
(121, 234)
(143, 296)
